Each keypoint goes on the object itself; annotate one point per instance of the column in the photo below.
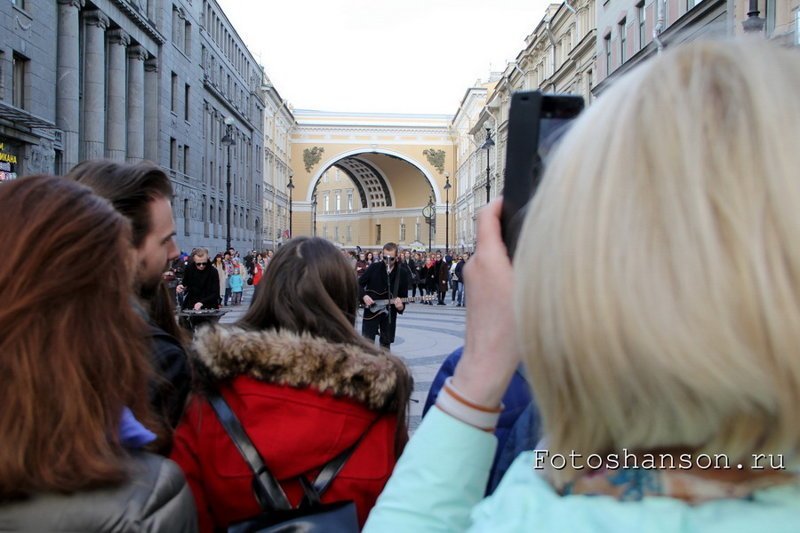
(67, 89)
(115, 120)
(136, 56)
(94, 107)
(151, 107)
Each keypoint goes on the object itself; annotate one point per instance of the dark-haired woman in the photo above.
(306, 387)
(74, 372)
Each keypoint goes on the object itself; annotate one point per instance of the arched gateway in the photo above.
(364, 179)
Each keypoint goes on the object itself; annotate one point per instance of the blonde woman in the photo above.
(657, 308)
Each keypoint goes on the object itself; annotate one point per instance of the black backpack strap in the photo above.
(331, 470)
(269, 493)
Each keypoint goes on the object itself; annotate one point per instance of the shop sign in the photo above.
(6, 157)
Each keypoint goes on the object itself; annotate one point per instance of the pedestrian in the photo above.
(75, 366)
(222, 272)
(458, 274)
(237, 283)
(305, 387)
(142, 193)
(201, 283)
(388, 283)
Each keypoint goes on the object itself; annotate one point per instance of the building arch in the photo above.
(363, 186)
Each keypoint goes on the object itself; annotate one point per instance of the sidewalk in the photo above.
(235, 312)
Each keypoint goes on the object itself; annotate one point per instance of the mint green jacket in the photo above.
(438, 485)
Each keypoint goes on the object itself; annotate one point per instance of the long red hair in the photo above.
(71, 345)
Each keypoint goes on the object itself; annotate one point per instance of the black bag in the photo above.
(250, 280)
(278, 515)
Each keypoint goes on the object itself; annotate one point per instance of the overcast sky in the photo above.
(400, 56)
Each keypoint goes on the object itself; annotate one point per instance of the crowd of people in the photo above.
(652, 310)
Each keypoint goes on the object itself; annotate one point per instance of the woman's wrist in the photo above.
(461, 406)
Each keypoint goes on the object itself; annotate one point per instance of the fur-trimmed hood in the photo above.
(286, 358)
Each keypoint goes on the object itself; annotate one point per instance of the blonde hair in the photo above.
(659, 266)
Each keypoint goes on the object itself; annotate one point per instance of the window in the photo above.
(336, 233)
(623, 41)
(186, 160)
(642, 23)
(19, 70)
(797, 27)
(338, 198)
(186, 217)
(176, 25)
(608, 53)
(324, 231)
(416, 231)
(377, 233)
(692, 3)
(173, 153)
(326, 199)
(187, 38)
(402, 233)
(173, 98)
(186, 102)
(350, 194)
(349, 233)
(19, 3)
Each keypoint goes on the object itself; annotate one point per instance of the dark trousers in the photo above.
(227, 295)
(383, 325)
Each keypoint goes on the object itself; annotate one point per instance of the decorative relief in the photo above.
(435, 158)
(312, 156)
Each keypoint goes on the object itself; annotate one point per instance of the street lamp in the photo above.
(753, 23)
(290, 186)
(447, 188)
(228, 141)
(429, 212)
(487, 145)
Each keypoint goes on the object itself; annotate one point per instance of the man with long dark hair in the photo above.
(143, 193)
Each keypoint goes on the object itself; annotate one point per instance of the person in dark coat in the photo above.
(442, 270)
(383, 281)
(200, 283)
(142, 193)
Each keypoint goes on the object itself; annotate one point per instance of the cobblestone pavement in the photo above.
(426, 335)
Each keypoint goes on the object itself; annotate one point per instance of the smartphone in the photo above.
(535, 124)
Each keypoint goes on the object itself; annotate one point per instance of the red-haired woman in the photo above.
(74, 372)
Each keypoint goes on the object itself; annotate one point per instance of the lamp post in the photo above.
(753, 23)
(487, 145)
(429, 211)
(447, 188)
(228, 141)
(290, 186)
(314, 214)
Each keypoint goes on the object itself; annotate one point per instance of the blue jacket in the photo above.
(236, 282)
(516, 400)
(439, 481)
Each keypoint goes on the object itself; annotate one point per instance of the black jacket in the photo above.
(375, 283)
(201, 286)
(156, 498)
(174, 381)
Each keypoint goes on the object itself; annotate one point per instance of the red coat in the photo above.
(296, 429)
(258, 272)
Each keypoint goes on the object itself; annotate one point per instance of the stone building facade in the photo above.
(133, 80)
(558, 57)
(279, 122)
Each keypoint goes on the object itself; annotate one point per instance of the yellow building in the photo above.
(363, 179)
